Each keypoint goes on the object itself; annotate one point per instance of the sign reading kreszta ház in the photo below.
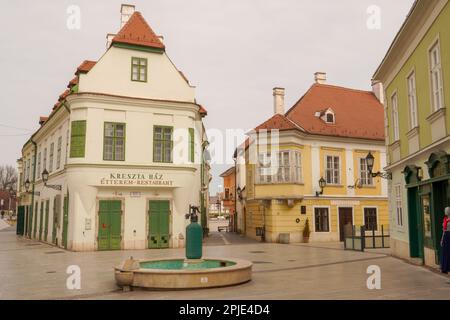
(136, 179)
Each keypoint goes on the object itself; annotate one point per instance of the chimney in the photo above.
(278, 100)
(320, 77)
(377, 88)
(126, 12)
(109, 38)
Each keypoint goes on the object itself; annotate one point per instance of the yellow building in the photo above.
(326, 137)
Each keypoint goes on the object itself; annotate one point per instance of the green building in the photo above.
(414, 78)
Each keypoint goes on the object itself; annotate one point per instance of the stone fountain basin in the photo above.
(134, 274)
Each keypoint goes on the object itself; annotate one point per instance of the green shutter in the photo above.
(78, 139)
(47, 209)
(191, 144)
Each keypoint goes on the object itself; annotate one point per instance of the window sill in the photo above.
(436, 115)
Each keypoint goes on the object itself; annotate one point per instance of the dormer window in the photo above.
(326, 116)
(329, 118)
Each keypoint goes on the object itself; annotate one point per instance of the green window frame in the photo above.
(139, 68)
(77, 139)
(162, 144)
(114, 141)
(191, 145)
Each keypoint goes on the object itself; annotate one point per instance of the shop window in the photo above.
(114, 141)
(399, 205)
(370, 219)
(322, 220)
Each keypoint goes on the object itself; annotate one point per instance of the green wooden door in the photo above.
(415, 224)
(55, 220)
(158, 234)
(41, 220)
(65, 221)
(47, 211)
(20, 220)
(110, 225)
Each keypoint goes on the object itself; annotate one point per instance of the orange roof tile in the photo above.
(73, 82)
(203, 111)
(85, 66)
(358, 114)
(136, 31)
(277, 122)
(64, 95)
(42, 120)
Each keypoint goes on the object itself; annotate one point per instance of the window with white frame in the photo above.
(394, 105)
(364, 175)
(58, 153)
(412, 100)
(51, 156)
(399, 205)
(39, 166)
(44, 162)
(437, 89)
(67, 145)
(332, 170)
(284, 167)
(321, 220)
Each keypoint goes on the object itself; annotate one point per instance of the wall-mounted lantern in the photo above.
(51, 186)
(27, 188)
(370, 162)
(322, 185)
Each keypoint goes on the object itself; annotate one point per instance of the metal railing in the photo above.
(363, 237)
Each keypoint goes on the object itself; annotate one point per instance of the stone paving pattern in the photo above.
(33, 270)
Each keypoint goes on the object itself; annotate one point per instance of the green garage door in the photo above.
(109, 225)
(158, 235)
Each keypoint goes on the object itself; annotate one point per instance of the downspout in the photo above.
(34, 180)
(235, 195)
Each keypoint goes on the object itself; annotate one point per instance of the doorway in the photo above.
(110, 225)
(345, 222)
(158, 224)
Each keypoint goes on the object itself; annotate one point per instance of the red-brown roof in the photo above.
(73, 82)
(277, 122)
(85, 66)
(136, 31)
(42, 120)
(64, 95)
(358, 114)
(202, 110)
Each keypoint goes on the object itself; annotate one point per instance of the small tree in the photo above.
(306, 231)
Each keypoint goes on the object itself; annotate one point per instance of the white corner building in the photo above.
(123, 149)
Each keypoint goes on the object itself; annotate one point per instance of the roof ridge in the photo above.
(331, 86)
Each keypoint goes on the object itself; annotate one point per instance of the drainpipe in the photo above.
(235, 195)
(34, 179)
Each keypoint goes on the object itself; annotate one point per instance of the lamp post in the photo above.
(370, 160)
(51, 186)
(322, 185)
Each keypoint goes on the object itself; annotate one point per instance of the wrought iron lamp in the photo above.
(322, 185)
(370, 161)
(51, 186)
(27, 185)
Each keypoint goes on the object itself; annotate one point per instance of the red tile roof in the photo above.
(64, 95)
(203, 111)
(358, 114)
(42, 120)
(85, 66)
(279, 122)
(136, 31)
(73, 82)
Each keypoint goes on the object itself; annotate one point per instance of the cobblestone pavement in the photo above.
(33, 270)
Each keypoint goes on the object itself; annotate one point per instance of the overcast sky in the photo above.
(233, 51)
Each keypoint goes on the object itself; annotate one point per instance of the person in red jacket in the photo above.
(445, 242)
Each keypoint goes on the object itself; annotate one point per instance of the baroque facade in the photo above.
(120, 159)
